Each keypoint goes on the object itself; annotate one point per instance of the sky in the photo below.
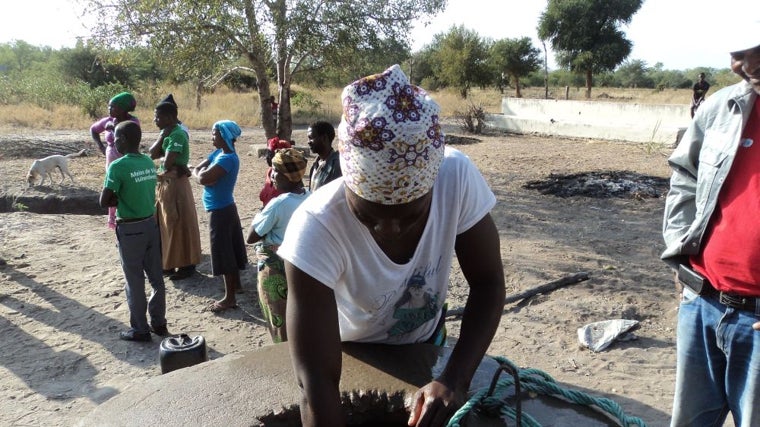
(680, 34)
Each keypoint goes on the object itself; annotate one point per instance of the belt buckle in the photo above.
(736, 301)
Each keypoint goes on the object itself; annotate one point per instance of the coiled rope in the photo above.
(536, 381)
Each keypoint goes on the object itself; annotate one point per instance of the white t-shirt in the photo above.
(379, 300)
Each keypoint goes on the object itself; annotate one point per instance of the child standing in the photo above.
(218, 174)
(130, 186)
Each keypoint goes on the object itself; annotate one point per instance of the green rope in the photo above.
(538, 382)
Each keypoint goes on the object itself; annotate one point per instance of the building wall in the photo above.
(662, 124)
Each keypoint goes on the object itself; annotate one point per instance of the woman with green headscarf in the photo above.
(119, 109)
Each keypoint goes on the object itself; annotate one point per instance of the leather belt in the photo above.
(128, 220)
(700, 285)
(739, 302)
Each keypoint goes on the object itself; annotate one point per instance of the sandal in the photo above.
(219, 307)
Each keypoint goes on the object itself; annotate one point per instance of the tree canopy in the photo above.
(280, 38)
(458, 59)
(585, 34)
(515, 58)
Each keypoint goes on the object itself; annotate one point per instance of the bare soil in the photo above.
(62, 301)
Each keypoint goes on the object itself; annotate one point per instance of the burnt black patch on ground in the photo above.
(602, 184)
(460, 140)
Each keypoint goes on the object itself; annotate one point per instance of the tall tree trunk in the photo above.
(265, 107)
(589, 81)
(284, 113)
(518, 93)
(284, 118)
(546, 72)
(198, 94)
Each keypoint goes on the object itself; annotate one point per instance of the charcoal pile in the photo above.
(602, 184)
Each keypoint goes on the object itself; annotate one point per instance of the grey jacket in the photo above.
(700, 165)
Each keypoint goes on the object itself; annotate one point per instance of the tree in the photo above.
(422, 66)
(20, 56)
(461, 59)
(634, 74)
(274, 37)
(585, 34)
(126, 67)
(515, 58)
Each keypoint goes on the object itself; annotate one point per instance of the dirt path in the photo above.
(62, 301)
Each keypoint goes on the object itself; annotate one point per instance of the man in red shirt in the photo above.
(712, 234)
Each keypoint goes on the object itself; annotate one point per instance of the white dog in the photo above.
(45, 167)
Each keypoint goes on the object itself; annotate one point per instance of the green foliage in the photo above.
(633, 74)
(240, 81)
(278, 39)
(368, 60)
(98, 67)
(724, 78)
(422, 69)
(460, 60)
(20, 56)
(44, 90)
(94, 101)
(513, 59)
(305, 101)
(585, 34)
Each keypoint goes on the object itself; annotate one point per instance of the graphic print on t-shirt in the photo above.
(416, 307)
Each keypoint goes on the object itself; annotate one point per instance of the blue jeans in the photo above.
(718, 364)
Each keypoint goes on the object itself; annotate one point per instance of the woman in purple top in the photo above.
(119, 109)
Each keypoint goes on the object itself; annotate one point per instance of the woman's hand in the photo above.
(433, 405)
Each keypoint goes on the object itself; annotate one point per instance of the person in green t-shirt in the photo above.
(176, 211)
(130, 186)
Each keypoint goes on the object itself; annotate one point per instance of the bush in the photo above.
(305, 101)
(93, 101)
(473, 120)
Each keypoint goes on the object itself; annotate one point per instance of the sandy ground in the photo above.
(62, 301)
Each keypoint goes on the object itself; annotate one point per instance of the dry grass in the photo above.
(245, 110)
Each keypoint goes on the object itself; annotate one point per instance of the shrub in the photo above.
(473, 120)
(93, 100)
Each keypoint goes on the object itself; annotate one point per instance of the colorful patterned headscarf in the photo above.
(125, 101)
(390, 141)
(230, 132)
(289, 162)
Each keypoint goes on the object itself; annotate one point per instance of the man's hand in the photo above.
(756, 326)
(433, 405)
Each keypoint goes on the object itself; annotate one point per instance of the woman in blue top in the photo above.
(218, 174)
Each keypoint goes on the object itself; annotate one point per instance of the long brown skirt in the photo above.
(178, 222)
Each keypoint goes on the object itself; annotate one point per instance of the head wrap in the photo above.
(229, 130)
(289, 162)
(744, 35)
(390, 141)
(125, 101)
(167, 108)
(170, 99)
(275, 143)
